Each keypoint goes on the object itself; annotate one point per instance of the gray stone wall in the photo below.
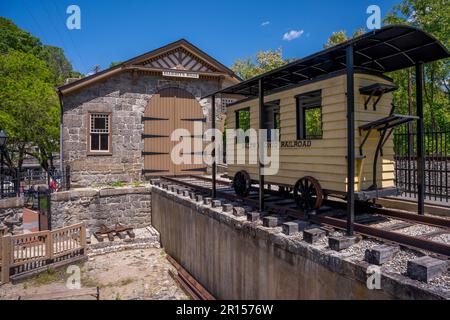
(128, 206)
(126, 99)
(11, 215)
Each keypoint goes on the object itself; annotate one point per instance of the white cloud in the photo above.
(265, 23)
(293, 34)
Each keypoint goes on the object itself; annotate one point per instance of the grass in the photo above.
(49, 276)
(137, 184)
(117, 184)
(120, 184)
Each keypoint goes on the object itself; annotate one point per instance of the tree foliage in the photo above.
(266, 61)
(29, 108)
(432, 16)
(341, 36)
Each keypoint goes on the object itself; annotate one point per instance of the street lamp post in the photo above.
(3, 140)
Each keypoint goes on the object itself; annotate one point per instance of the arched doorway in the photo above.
(169, 109)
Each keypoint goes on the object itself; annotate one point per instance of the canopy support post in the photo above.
(420, 141)
(350, 141)
(213, 139)
(261, 145)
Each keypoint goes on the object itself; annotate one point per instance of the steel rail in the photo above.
(392, 213)
(370, 232)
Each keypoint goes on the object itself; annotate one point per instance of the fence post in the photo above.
(6, 257)
(49, 247)
(83, 237)
(49, 210)
(67, 178)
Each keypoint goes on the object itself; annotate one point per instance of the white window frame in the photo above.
(92, 116)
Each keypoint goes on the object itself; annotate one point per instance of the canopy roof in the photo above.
(391, 48)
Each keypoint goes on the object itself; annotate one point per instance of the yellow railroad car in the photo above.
(335, 114)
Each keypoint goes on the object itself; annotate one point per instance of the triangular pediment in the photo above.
(181, 56)
(179, 59)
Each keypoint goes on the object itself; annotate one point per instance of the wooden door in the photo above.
(168, 110)
(158, 126)
(188, 113)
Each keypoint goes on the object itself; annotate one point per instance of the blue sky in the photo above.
(117, 30)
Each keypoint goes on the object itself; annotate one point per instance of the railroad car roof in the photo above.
(391, 48)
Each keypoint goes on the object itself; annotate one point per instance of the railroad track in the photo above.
(332, 216)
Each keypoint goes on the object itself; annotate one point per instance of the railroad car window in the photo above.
(243, 119)
(272, 118)
(99, 133)
(309, 116)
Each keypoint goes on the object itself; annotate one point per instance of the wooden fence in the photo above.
(23, 255)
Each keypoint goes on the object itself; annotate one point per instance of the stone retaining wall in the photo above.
(11, 214)
(237, 259)
(129, 206)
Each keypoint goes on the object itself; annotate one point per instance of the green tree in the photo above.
(266, 61)
(14, 38)
(433, 17)
(29, 108)
(114, 63)
(341, 36)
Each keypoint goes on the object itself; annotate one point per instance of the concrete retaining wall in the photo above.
(236, 259)
(129, 206)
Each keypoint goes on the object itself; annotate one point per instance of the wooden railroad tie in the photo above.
(119, 231)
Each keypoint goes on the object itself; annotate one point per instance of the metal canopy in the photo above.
(388, 49)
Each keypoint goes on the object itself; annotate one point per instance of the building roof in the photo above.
(154, 61)
(391, 48)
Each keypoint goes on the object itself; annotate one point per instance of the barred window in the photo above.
(100, 133)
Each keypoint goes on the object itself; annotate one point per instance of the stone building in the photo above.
(116, 124)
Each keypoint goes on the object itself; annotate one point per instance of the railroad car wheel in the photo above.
(242, 183)
(308, 194)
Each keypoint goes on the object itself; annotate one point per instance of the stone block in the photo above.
(253, 216)
(270, 222)
(207, 201)
(313, 235)
(341, 243)
(192, 195)
(216, 204)
(238, 211)
(426, 268)
(186, 193)
(199, 198)
(290, 228)
(380, 254)
(226, 207)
